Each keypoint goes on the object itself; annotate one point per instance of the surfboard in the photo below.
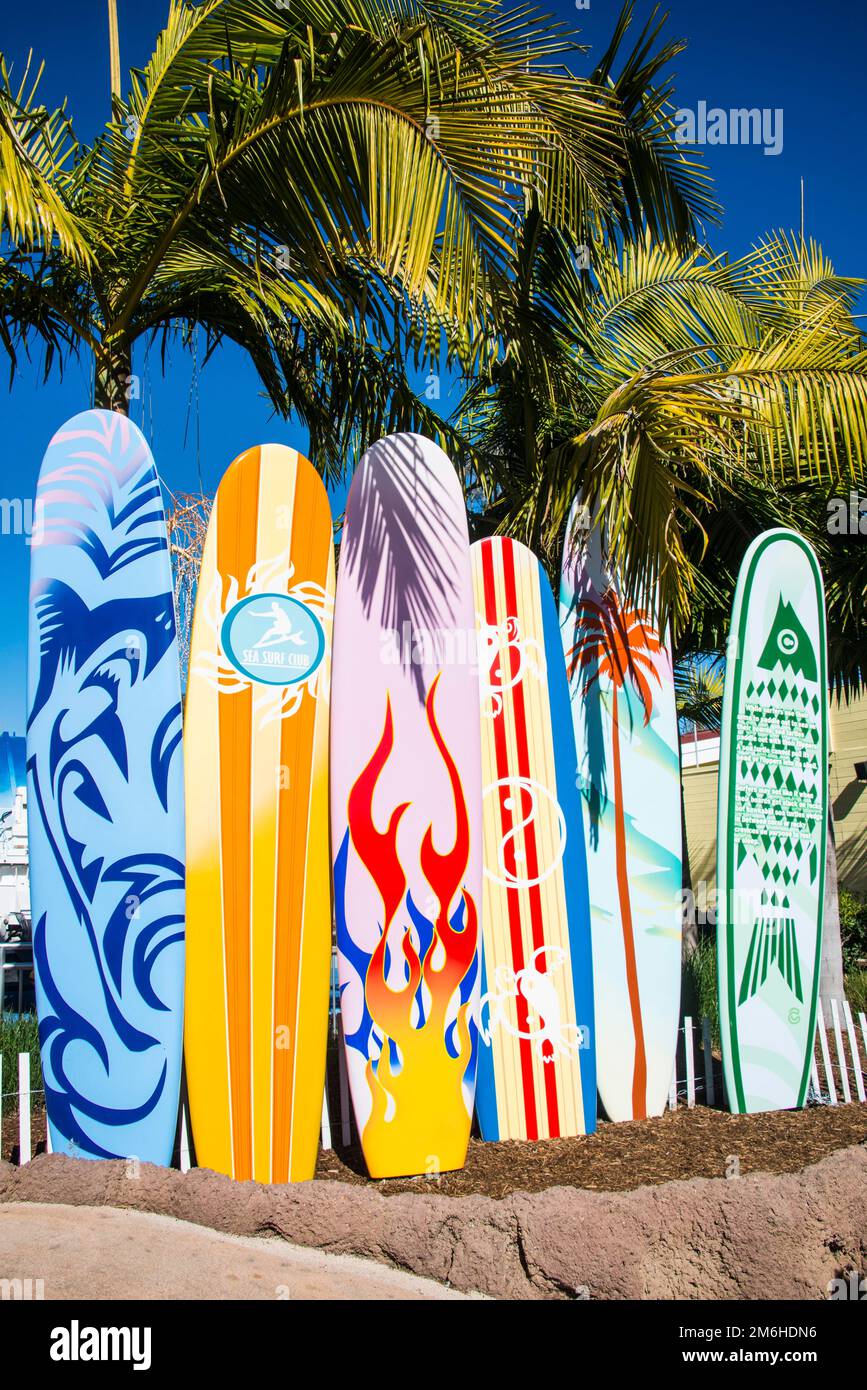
(259, 872)
(105, 795)
(625, 720)
(406, 808)
(771, 827)
(537, 1070)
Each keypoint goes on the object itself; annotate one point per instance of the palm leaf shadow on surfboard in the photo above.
(105, 795)
(408, 576)
(405, 808)
(623, 706)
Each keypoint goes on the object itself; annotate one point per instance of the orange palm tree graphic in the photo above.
(620, 642)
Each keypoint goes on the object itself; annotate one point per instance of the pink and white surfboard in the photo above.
(406, 808)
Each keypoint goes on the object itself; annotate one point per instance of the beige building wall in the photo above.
(848, 795)
(848, 798)
(699, 800)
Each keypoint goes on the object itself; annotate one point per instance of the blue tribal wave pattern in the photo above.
(105, 795)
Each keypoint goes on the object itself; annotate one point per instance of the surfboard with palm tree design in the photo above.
(625, 719)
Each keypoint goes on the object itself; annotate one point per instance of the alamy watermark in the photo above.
(847, 516)
(77, 1343)
(703, 905)
(738, 126)
(851, 1289)
(21, 516)
(22, 1290)
(409, 645)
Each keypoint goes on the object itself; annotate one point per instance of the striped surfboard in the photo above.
(256, 749)
(537, 1065)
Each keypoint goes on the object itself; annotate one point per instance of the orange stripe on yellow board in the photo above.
(296, 747)
(276, 490)
(236, 552)
(311, 1026)
(205, 1030)
(276, 509)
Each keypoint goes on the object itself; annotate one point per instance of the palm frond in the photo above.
(37, 154)
(384, 150)
(696, 375)
(699, 683)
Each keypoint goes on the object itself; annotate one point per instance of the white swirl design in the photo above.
(498, 644)
(524, 800)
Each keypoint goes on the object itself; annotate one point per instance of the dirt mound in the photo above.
(756, 1236)
(699, 1143)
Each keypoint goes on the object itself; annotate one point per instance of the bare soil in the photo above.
(683, 1143)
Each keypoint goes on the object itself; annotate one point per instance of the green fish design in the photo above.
(782, 854)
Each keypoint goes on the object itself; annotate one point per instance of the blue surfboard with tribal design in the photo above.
(105, 795)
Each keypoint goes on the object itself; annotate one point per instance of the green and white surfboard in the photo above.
(771, 826)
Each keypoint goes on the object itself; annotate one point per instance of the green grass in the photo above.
(20, 1035)
(853, 929)
(856, 991)
(699, 990)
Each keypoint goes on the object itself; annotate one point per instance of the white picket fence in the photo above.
(838, 1049)
(837, 1076)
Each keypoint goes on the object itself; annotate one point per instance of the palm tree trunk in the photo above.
(639, 1075)
(831, 973)
(113, 48)
(114, 380)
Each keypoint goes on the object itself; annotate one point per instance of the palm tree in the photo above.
(620, 643)
(333, 185)
(672, 383)
(694, 402)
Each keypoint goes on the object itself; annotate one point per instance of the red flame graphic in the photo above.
(391, 1008)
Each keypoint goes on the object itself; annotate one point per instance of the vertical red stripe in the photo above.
(535, 894)
(512, 900)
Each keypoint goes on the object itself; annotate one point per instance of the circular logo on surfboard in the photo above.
(273, 639)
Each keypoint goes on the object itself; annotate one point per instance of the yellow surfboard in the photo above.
(258, 864)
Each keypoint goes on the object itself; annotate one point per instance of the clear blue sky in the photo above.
(808, 59)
